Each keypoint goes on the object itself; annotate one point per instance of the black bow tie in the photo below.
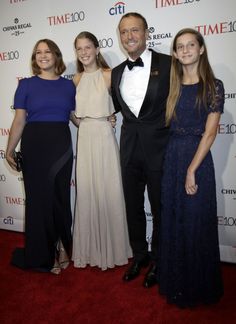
(131, 64)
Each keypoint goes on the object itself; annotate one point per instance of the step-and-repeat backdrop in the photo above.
(23, 22)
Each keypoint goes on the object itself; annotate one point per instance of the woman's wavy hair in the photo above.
(59, 63)
(206, 90)
(101, 62)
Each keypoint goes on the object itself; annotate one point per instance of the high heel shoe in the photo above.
(63, 257)
(56, 269)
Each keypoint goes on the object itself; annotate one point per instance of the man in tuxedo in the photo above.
(140, 87)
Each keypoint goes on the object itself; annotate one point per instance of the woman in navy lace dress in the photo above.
(189, 268)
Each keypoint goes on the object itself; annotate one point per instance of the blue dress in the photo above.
(189, 260)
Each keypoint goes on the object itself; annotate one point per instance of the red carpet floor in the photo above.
(94, 296)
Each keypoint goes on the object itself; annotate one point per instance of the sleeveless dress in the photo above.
(189, 260)
(100, 235)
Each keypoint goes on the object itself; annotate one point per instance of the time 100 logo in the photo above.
(105, 42)
(227, 129)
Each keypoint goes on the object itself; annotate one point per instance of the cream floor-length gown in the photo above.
(100, 235)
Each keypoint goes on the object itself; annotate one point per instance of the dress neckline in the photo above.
(93, 72)
(53, 80)
(190, 84)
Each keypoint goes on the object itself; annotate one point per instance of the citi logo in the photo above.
(66, 18)
(4, 131)
(169, 3)
(8, 220)
(217, 28)
(2, 154)
(15, 200)
(118, 9)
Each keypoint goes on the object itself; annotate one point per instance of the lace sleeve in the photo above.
(218, 105)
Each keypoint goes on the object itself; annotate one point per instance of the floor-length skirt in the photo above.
(100, 236)
(189, 260)
(47, 165)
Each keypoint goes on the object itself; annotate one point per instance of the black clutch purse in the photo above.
(18, 159)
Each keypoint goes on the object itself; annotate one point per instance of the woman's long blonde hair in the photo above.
(206, 90)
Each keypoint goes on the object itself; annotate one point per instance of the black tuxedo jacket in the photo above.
(149, 127)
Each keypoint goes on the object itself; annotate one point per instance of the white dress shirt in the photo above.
(133, 85)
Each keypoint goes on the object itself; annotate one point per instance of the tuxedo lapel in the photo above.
(153, 83)
(152, 87)
(117, 81)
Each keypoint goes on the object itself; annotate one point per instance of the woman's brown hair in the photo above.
(206, 91)
(59, 63)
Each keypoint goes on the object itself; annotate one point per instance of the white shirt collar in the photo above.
(133, 85)
(145, 56)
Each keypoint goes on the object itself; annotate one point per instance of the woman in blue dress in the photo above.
(43, 105)
(189, 260)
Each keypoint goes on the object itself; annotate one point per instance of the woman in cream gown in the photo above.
(100, 235)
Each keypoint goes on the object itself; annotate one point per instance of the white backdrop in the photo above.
(23, 22)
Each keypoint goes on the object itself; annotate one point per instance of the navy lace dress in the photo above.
(189, 261)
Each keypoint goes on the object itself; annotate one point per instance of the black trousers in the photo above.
(136, 178)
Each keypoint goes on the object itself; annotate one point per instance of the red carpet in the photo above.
(93, 296)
